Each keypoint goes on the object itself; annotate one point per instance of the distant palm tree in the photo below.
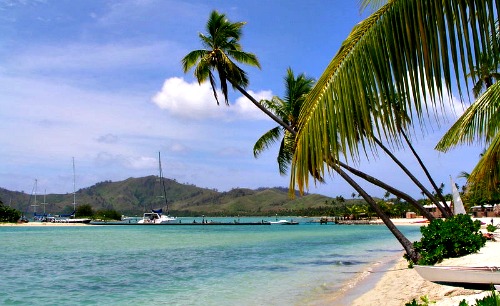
(222, 50)
(486, 72)
(288, 109)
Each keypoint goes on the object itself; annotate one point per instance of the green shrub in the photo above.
(490, 300)
(108, 214)
(452, 237)
(8, 214)
(491, 228)
(424, 299)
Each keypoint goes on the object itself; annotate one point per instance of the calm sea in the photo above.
(187, 265)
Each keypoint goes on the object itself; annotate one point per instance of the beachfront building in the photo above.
(487, 210)
(433, 210)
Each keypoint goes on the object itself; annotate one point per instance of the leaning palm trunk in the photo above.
(390, 189)
(429, 177)
(407, 244)
(262, 108)
(413, 178)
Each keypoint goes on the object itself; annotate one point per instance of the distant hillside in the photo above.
(133, 196)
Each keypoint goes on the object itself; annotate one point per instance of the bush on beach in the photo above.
(8, 214)
(452, 237)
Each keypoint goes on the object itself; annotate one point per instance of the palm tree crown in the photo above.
(288, 109)
(222, 50)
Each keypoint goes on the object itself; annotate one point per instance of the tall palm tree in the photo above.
(222, 51)
(288, 109)
(414, 50)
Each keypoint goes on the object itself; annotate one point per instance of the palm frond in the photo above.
(267, 140)
(487, 172)
(192, 58)
(408, 49)
(479, 123)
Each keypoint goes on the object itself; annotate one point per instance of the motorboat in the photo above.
(155, 217)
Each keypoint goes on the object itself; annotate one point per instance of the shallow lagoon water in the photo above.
(187, 265)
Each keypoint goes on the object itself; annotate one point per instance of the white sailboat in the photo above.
(72, 219)
(156, 216)
(458, 205)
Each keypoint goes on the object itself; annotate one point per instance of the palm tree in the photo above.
(486, 73)
(222, 50)
(288, 110)
(414, 50)
(480, 122)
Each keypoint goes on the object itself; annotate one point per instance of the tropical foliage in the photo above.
(422, 47)
(411, 51)
(8, 214)
(453, 237)
(288, 109)
(222, 49)
(480, 122)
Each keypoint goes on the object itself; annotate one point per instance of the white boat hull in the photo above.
(467, 277)
(155, 218)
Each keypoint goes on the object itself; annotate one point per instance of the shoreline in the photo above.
(389, 281)
(399, 284)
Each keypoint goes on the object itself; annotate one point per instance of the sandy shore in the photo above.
(400, 285)
(44, 224)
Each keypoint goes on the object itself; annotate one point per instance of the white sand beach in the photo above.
(44, 224)
(400, 285)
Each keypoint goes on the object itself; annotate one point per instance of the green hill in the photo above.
(133, 196)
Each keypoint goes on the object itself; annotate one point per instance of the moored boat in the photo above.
(467, 277)
(156, 217)
(284, 222)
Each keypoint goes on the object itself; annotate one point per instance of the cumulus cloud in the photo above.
(187, 100)
(196, 101)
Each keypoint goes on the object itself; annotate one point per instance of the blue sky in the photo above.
(101, 81)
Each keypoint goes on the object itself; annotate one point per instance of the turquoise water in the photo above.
(186, 265)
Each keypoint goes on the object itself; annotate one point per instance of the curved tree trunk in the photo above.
(424, 168)
(390, 189)
(265, 110)
(413, 178)
(407, 244)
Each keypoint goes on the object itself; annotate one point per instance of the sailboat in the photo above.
(75, 220)
(458, 205)
(156, 216)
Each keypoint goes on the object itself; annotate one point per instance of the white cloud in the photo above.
(196, 101)
(187, 100)
(247, 109)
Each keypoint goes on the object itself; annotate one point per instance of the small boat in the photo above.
(459, 276)
(284, 222)
(77, 220)
(156, 217)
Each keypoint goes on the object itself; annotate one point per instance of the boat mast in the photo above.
(162, 181)
(74, 188)
(44, 202)
(34, 192)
